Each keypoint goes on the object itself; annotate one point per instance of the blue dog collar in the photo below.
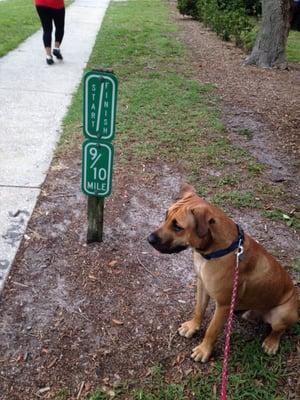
(234, 245)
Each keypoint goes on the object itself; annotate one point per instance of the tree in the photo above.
(269, 48)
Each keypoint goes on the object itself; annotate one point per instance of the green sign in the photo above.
(99, 105)
(97, 160)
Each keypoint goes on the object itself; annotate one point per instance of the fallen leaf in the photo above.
(189, 371)
(52, 362)
(43, 390)
(113, 263)
(117, 322)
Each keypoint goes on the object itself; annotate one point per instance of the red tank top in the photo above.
(50, 3)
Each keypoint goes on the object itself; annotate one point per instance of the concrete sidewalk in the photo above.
(34, 98)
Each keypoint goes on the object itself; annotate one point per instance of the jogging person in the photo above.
(51, 11)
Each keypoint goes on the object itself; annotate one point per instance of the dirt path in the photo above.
(74, 314)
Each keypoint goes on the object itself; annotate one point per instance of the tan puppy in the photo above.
(264, 286)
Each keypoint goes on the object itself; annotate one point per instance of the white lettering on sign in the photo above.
(97, 186)
(100, 173)
(99, 109)
(101, 186)
(90, 185)
(95, 157)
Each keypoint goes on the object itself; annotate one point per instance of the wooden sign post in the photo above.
(99, 115)
(95, 219)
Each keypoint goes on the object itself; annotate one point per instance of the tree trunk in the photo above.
(269, 49)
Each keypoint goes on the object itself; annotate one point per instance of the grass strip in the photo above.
(18, 21)
(293, 47)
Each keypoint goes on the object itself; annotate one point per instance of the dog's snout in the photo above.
(153, 239)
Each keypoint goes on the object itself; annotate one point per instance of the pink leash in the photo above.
(224, 381)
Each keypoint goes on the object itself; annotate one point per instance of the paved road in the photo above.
(34, 98)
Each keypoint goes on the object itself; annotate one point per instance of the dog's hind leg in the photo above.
(280, 318)
(188, 328)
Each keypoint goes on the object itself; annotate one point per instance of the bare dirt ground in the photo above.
(82, 316)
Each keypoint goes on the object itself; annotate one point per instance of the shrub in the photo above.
(187, 7)
(253, 7)
(248, 38)
(228, 18)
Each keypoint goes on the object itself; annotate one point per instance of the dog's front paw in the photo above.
(188, 328)
(201, 353)
(270, 345)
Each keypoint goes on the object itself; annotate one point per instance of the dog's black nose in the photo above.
(153, 239)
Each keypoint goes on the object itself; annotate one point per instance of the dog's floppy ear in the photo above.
(203, 219)
(184, 190)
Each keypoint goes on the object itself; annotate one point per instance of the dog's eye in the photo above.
(175, 226)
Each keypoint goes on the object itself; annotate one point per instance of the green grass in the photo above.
(255, 168)
(237, 199)
(293, 47)
(18, 20)
(290, 219)
(62, 394)
(98, 395)
(246, 132)
(252, 375)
